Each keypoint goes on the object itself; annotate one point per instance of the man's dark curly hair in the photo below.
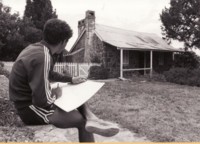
(56, 30)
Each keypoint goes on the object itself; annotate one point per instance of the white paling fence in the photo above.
(74, 69)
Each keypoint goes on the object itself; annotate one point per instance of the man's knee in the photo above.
(67, 120)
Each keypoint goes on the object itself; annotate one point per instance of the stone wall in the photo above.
(97, 53)
(112, 61)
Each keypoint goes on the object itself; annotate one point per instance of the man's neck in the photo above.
(50, 47)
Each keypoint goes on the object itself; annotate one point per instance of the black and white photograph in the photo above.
(99, 71)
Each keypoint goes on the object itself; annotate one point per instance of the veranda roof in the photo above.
(127, 39)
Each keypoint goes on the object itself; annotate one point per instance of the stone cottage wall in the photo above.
(106, 55)
(97, 53)
(112, 61)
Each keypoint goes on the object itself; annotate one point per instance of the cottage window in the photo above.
(126, 58)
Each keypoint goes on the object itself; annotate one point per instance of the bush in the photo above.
(158, 77)
(3, 71)
(195, 79)
(187, 60)
(98, 72)
(1, 64)
(183, 76)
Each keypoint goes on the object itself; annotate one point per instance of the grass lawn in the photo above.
(162, 112)
(11, 127)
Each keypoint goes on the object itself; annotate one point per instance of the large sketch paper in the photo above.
(74, 96)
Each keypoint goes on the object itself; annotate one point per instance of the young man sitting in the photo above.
(30, 90)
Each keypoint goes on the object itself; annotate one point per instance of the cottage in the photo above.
(120, 51)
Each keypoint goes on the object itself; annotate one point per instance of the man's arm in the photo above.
(42, 95)
(58, 77)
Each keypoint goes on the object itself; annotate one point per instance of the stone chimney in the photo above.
(90, 27)
(81, 26)
(88, 22)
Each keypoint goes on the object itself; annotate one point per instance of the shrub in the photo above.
(98, 72)
(195, 79)
(158, 77)
(187, 60)
(1, 64)
(3, 71)
(183, 76)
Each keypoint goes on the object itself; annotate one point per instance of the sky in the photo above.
(136, 15)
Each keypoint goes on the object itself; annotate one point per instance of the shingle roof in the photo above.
(127, 39)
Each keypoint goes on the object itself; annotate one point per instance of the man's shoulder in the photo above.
(32, 52)
(36, 47)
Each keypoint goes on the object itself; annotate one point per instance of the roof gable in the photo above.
(77, 40)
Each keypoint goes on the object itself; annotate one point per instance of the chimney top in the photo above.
(81, 22)
(90, 14)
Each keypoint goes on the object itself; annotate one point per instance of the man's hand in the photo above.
(77, 80)
(57, 91)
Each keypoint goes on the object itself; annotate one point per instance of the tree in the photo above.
(29, 31)
(181, 21)
(28, 9)
(39, 11)
(10, 38)
(15, 33)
